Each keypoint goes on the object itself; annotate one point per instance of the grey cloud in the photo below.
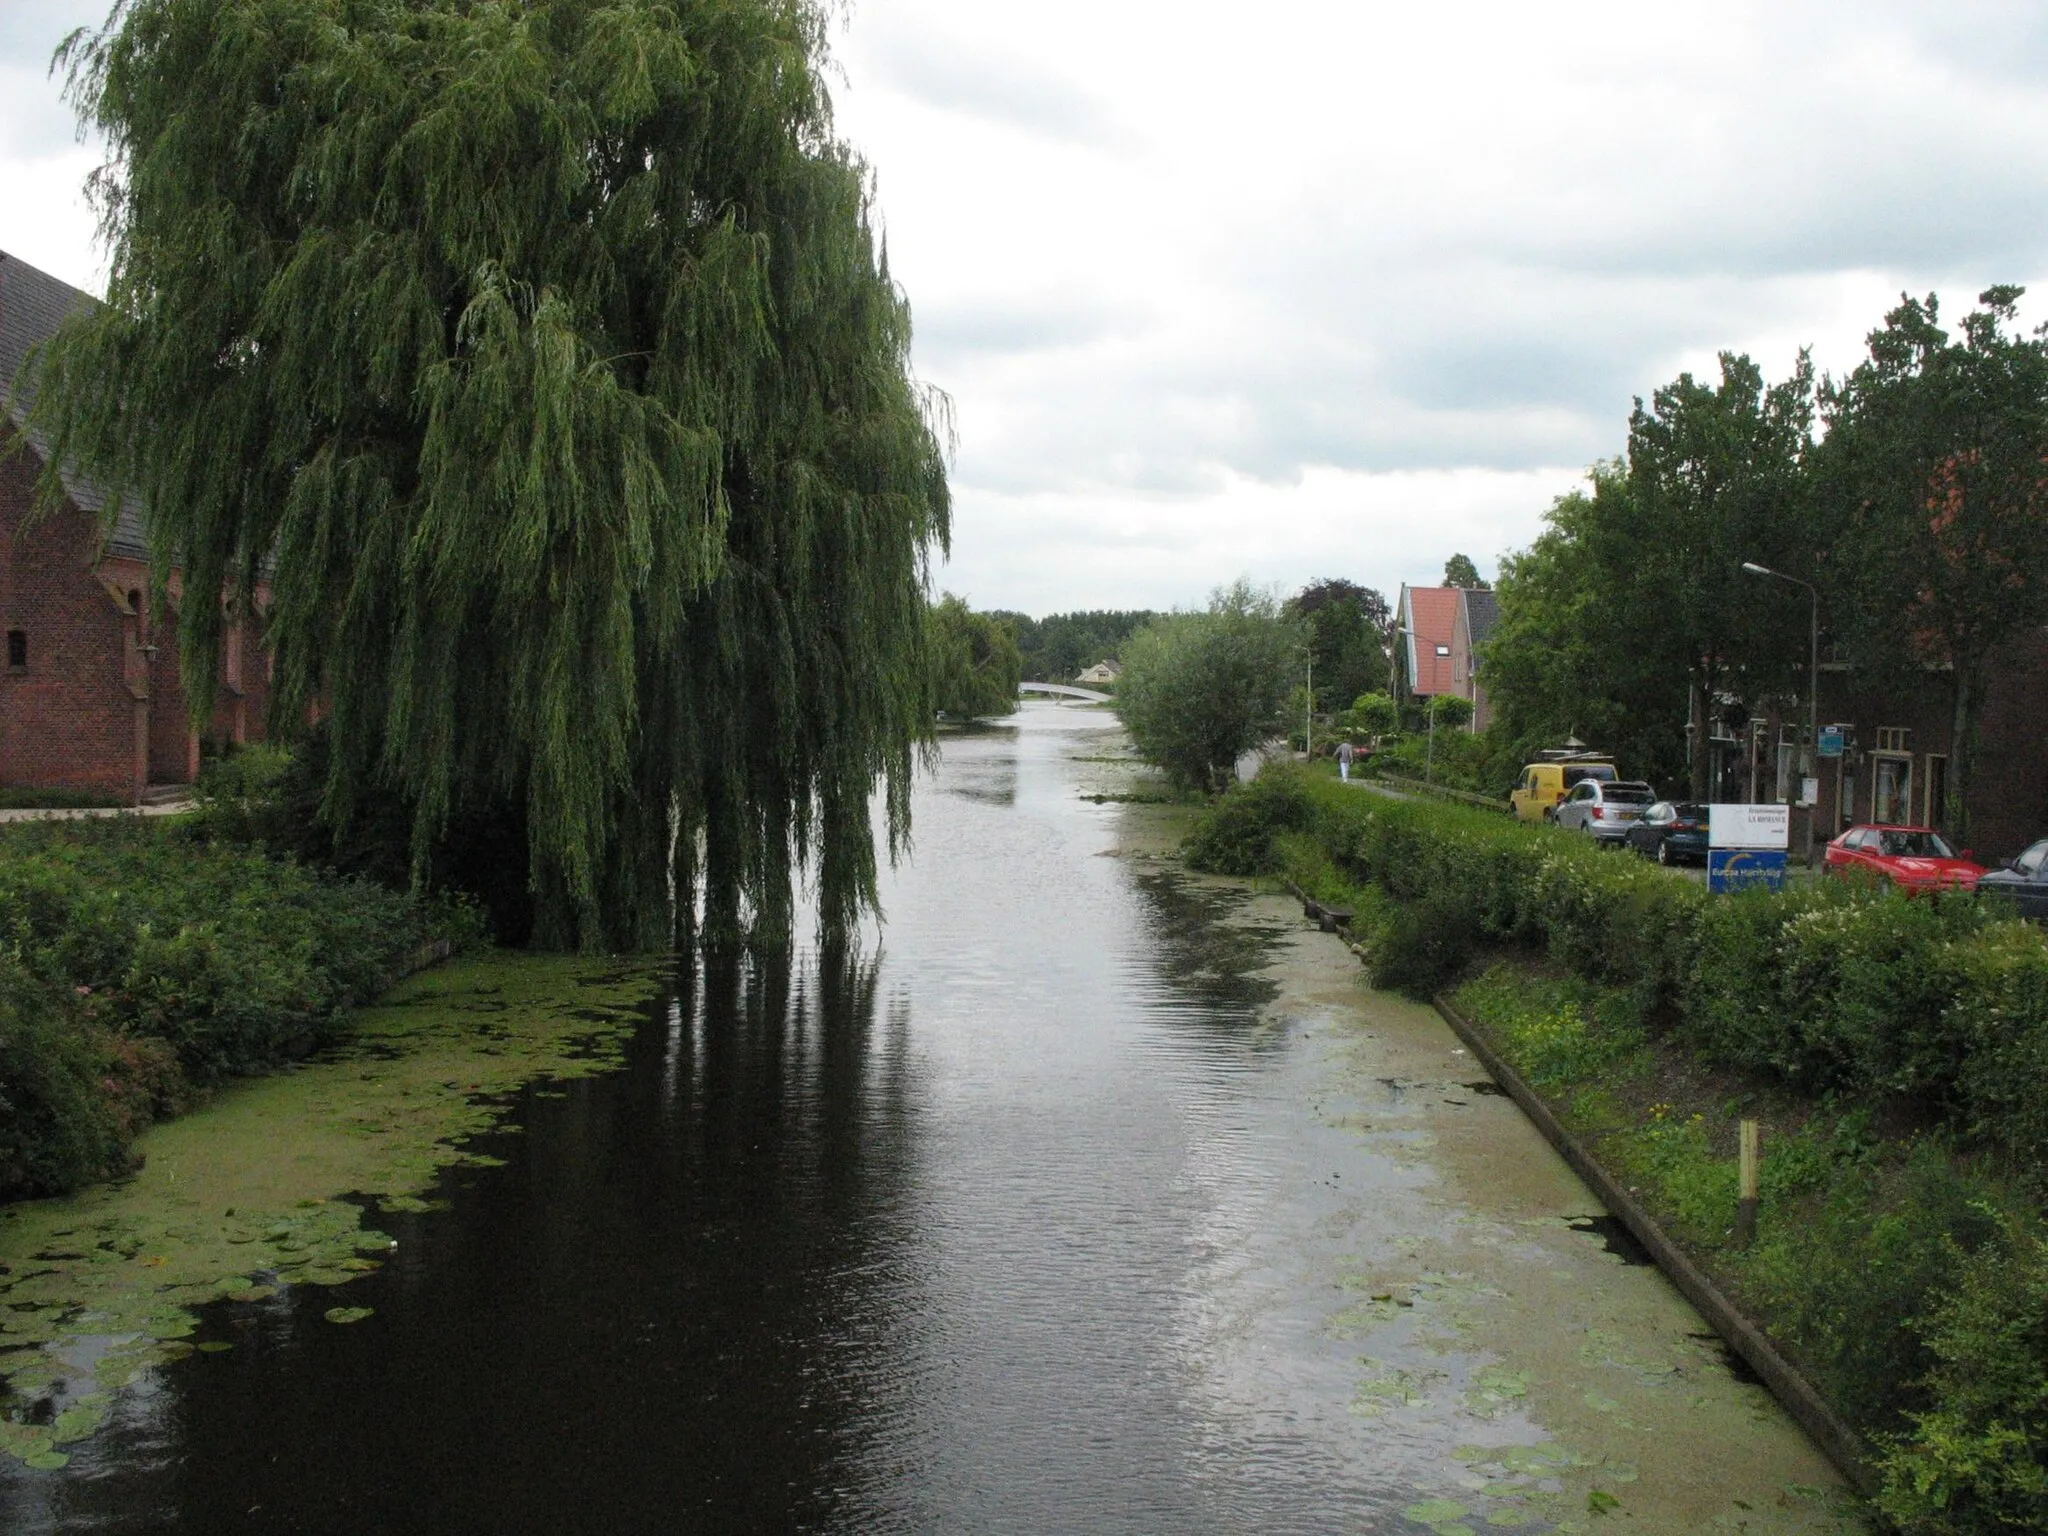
(30, 30)
(1009, 325)
(956, 76)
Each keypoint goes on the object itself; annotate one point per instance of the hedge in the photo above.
(139, 964)
(1824, 988)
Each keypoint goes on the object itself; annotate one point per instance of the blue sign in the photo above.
(1831, 741)
(1742, 869)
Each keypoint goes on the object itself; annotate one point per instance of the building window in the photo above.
(1443, 650)
(17, 647)
(1891, 738)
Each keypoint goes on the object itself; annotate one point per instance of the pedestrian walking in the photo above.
(1344, 761)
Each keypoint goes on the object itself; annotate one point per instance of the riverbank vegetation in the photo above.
(1201, 689)
(1893, 1049)
(973, 660)
(143, 963)
(1907, 493)
(540, 370)
(1060, 646)
(97, 1288)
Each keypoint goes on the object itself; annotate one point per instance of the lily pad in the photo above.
(348, 1314)
(1436, 1511)
(46, 1461)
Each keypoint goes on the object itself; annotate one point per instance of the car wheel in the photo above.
(1664, 853)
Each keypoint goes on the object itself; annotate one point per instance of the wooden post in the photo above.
(1745, 1204)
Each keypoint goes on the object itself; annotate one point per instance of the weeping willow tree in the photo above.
(537, 357)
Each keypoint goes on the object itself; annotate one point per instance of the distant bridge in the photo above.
(1061, 690)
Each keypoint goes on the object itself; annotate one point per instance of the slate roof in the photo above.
(1482, 616)
(32, 305)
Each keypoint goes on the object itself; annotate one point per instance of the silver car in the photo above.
(1603, 810)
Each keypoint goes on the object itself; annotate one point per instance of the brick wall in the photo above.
(68, 716)
(2009, 788)
(93, 709)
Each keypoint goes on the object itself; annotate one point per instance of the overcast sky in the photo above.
(1334, 288)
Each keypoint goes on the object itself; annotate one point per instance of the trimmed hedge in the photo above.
(138, 963)
(1829, 988)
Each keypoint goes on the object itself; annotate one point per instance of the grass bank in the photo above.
(1895, 1051)
(142, 963)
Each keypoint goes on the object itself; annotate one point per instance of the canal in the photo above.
(1092, 1197)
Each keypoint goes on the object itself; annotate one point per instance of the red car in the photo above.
(1912, 858)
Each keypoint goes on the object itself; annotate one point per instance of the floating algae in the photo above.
(244, 1198)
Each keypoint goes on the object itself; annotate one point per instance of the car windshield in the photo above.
(1913, 845)
(1626, 794)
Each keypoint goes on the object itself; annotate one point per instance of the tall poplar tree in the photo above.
(538, 355)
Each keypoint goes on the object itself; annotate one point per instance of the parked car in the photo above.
(1543, 785)
(2023, 881)
(1671, 832)
(1914, 859)
(1604, 809)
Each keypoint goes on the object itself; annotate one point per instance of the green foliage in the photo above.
(1847, 1275)
(1560, 663)
(1348, 629)
(1636, 592)
(1201, 689)
(1449, 711)
(1370, 714)
(1058, 647)
(542, 358)
(1935, 517)
(1909, 1278)
(1459, 571)
(1238, 834)
(137, 959)
(58, 1128)
(973, 660)
(1557, 1032)
(1976, 1459)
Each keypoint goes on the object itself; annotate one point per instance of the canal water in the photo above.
(1090, 1198)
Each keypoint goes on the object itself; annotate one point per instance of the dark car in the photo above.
(2023, 882)
(1671, 832)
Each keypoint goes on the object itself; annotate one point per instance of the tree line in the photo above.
(1909, 494)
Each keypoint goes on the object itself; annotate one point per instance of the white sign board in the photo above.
(1749, 826)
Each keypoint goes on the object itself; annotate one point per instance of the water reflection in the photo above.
(970, 1233)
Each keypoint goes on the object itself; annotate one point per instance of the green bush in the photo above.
(1238, 834)
(137, 961)
(1976, 1460)
(57, 1128)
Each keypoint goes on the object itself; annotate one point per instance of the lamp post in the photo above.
(1429, 711)
(1812, 692)
(1308, 709)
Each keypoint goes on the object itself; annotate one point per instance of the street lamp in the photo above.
(1308, 708)
(1429, 710)
(1812, 692)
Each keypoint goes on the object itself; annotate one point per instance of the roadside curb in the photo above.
(1837, 1440)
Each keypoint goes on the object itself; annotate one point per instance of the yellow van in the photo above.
(1543, 784)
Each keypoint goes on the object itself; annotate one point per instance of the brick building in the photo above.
(90, 695)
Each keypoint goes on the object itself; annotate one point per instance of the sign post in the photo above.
(1746, 846)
